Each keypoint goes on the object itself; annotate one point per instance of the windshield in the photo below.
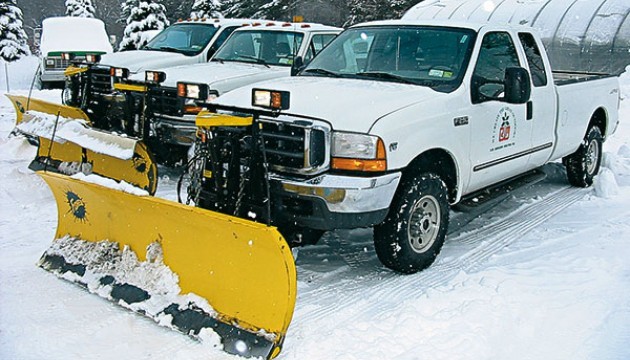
(428, 56)
(187, 39)
(261, 47)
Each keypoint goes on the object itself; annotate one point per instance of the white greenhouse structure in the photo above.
(579, 35)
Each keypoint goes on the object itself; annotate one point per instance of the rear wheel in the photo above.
(413, 232)
(584, 163)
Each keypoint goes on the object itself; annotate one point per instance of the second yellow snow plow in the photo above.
(188, 268)
(68, 144)
(22, 104)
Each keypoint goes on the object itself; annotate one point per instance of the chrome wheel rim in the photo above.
(424, 223)
(592, 154)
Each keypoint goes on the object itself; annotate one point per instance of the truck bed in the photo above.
(567, 77)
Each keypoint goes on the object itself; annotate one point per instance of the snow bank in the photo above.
(20, 73)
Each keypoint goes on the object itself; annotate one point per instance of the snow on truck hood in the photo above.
(216, 72)
(349, 104)
(68, 34)
(141, 60)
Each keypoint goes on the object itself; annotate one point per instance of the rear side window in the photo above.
(317, 44)
(534, 59)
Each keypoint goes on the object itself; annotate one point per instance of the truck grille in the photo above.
(101, 80)
(164, 101)
(59, 63)
(295, 148)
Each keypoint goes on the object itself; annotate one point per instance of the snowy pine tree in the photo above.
(205, 9)
(12, 36)
(125, 10)
(368, 10)
(80, 8)
(260, 9)
(148, 15)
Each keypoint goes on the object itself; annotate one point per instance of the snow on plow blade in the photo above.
(22, 104)
(69, 145)
(190, 269)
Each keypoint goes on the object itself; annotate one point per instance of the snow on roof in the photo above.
(585, 35)
(65, 34)
(288, 26)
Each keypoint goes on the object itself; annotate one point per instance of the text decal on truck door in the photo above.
(504, 130)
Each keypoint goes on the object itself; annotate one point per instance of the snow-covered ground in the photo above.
(543, 275)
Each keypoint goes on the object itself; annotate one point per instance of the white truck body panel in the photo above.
(140, 60)
(414, 119)
(226, 76)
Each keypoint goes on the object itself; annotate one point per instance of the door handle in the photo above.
(530, 110)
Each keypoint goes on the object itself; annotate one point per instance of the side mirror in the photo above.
(518, 87)
(298, 64)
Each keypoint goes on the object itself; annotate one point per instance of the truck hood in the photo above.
(348, 104)
(140, 60)
(216, 73)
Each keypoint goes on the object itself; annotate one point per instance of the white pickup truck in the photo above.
(262, 51)
(185, 42)
(395, 121)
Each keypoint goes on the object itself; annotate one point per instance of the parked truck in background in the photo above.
(262, 51)
(80, 37)
(392, 124)
(185, 42)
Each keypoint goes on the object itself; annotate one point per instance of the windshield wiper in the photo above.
(387, 76)
(322, 72)
(256, 59)
(168, 48)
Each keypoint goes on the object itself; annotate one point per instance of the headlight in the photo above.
(50, 62)
(271, 99)
(119, 72)
(154, 77)
(358, 152)
(192, 91)
(92, 58)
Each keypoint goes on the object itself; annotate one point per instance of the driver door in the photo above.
(500, 132)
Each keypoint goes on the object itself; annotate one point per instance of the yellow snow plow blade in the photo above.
(70, 146)
(22, 104)
(69, 158)
(229, 275)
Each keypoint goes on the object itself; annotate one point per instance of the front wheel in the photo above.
(584, 163)
(413, 232)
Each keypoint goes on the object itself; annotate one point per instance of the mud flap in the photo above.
(229, 275)
(70, 146)
(22, 104)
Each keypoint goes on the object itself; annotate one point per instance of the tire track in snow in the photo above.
(342, 297)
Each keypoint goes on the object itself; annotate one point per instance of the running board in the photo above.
(477, 203)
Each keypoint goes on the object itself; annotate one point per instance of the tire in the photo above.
(406, 242)
(583, 165)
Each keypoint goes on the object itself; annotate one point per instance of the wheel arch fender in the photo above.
(441, 162)
(599, 119)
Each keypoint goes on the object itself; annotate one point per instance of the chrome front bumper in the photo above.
(346, 194)
(52, 75)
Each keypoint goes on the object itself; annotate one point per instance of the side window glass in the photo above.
(534, 59)
(497, 54)
(220, 40)
(318, 42)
